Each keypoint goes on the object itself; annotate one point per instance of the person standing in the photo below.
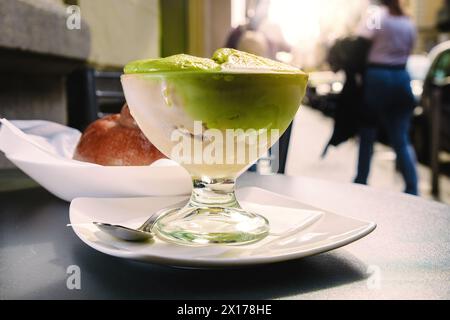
(388, 98)
(259, 36)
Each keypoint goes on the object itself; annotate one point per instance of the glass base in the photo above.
(199, 226)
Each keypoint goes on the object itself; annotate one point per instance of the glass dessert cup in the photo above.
(216, 125)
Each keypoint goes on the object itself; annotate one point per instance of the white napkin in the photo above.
(44, 151)
(44, 139)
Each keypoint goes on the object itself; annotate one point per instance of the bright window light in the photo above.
(299, 19)
(303, 20)
(238, 12)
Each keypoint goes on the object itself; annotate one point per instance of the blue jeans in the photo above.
(389, 100)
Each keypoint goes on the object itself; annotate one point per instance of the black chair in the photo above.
(278, 154)
(93, 94)
(284, 142)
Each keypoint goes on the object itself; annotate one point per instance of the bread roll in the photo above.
(116, 140)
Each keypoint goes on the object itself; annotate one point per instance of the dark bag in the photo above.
(350, 55)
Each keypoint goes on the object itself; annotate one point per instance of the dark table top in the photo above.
(407, 257)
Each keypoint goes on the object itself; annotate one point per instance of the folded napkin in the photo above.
(44, 139)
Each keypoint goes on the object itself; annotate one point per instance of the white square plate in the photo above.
(297, 230)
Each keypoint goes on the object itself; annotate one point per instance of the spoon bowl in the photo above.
(124, 233)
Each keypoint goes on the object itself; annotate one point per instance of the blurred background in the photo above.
(61, 61)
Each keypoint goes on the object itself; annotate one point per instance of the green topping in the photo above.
(180, 62)
(231, 59)
(233, 90)
(224, 60)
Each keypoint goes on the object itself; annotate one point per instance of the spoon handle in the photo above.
(148, 225)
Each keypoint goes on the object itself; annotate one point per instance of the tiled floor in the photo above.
(310, 134)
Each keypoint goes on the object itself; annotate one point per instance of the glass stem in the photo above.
(214, 193)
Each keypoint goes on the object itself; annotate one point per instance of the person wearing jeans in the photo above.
(388, 98)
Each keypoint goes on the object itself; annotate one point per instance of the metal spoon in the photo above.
(142, 233)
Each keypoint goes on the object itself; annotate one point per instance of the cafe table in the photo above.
(406, 257)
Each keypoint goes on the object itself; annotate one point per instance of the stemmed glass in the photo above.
(215, 125)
